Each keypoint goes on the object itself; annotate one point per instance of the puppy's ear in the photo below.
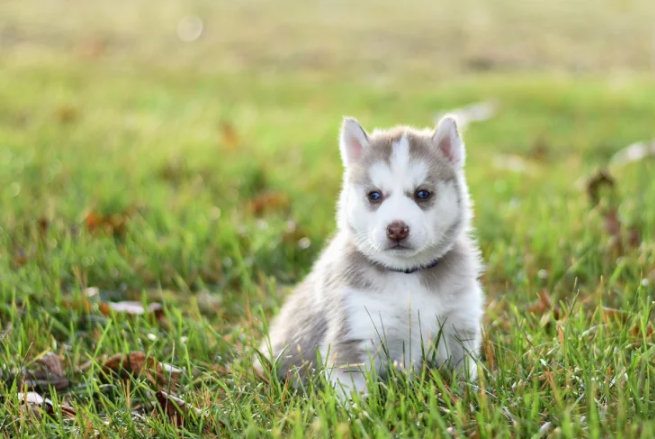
(449, 142)
(352, 142)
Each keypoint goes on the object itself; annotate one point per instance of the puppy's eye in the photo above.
(374, 196)
(423, 195)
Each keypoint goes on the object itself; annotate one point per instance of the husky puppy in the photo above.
(398, 284)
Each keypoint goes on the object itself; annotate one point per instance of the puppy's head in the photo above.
(404, 199)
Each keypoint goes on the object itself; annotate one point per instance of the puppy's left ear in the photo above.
(353, 140)
(449, 142)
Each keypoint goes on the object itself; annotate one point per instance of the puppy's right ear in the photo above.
(352, 142)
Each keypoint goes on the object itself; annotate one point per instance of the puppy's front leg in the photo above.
(347, 379)
(346, 367)
(463, 345)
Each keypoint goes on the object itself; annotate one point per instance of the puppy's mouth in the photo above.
(399, 247)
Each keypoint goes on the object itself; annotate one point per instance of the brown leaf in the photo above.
(52, 363)
(115, 224)
(596, 182)
(612, 314)
(616, 315)
(137, 363)
(44, 224)
(48, 373)
(77, 304)
(544, 305)
(620, 236)
(132, 363)
(175, 408)
(132, 308)
(20, 258)
(66, 113)
(638, 332)
(38, 404)
(229, 135)
(612, 224)
(267, 202)
(634, 237)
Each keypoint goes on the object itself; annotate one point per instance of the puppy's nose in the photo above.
(397, 231)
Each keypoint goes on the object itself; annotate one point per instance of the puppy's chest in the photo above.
(403, 310)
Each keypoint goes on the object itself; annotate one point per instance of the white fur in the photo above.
(449, 141)
(426, 227)
(404, 322)
(404, 315)
(352, 141)
(403, 312)
(407, 318)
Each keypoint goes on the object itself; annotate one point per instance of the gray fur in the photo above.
(316, 314)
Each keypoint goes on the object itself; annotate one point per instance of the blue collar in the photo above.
(415, 269)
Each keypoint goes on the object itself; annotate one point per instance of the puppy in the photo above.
(398, 284)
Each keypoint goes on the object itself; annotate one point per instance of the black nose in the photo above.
(397, 231)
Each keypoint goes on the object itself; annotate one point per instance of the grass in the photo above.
(212, 193)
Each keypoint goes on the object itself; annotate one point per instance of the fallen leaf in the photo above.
(38, 404)
(544, 305)
(52, 363)
(634, 237)
(131, 363)
(132, 308)
(612, 224)
(49, 373)
(229, 135)
(638, 332)
(175, 408)
(45, 373)
(633, 153)
(66, 113)
(20, 257)
(267, 202)
(77, 304)
(44, 224)
(596, 182)
(138, 363)
(622, 317)
(612, 314)
(115, 224)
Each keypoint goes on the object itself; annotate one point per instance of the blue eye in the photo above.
(423, 195)
(374, 196)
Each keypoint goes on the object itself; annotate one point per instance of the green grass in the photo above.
(211, 186)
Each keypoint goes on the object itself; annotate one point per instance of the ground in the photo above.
(201, 176)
